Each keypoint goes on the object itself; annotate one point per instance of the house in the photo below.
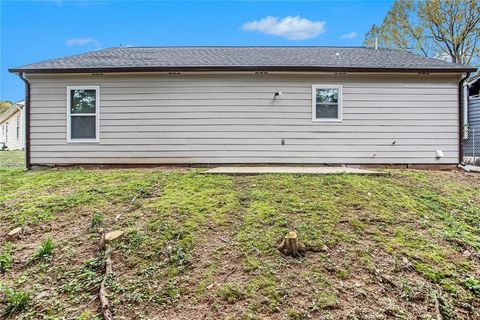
(11, 127)
(473, 86)
(473, 115)
(212, 105)
(471, 142)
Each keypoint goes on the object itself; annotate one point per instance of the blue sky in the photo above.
(32, 31)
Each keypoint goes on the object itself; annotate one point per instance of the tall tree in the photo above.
(447, 29)
(4, 105)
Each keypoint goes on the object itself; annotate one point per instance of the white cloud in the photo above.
(82, 42)
(291, 28)
(350, 35)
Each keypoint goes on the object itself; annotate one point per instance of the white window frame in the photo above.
(96, 114)
(314, 102)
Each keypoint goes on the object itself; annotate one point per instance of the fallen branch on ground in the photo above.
(103, 293)
(437, 306)
(229, 274)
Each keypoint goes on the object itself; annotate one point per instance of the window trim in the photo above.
(96, 114)
(340, 102)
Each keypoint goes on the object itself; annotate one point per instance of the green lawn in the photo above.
(401, 246)
(12, 159)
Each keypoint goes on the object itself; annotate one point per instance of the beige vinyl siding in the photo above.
(13, 141)
(214, 118)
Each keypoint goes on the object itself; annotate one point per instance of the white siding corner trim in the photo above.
(97, 114)
(314, 102)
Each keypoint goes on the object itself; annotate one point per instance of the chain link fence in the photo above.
(12, 159)
(471, 147)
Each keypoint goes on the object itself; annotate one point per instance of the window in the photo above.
(6, 132)
(18, 127)
(83, 114)
(326, 103)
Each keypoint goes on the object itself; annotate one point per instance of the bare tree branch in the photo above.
(431, 28)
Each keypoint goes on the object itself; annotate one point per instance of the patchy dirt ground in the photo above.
(401, 246)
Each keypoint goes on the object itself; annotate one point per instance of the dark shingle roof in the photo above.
(243, 58)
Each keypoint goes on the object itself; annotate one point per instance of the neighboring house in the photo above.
(473, 85)
(319, 105)
(474, 103)
(11, 127)
(471, 140)
(474, 113)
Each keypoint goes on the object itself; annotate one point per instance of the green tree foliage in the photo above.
(4, 105)
(446, 29)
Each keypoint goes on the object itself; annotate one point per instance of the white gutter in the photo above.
(465, 104)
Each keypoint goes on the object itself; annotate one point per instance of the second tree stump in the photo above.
(291, 246)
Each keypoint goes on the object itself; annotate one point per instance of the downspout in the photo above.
(460, 117)
(27, 121)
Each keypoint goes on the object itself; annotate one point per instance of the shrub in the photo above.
(45, 250)
(15, 301)
(97, 220)
(230, 293)
(6, 259)
(473, 285)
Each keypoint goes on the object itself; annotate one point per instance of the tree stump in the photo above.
(291, 246)
(109, 237)
(14, 234)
